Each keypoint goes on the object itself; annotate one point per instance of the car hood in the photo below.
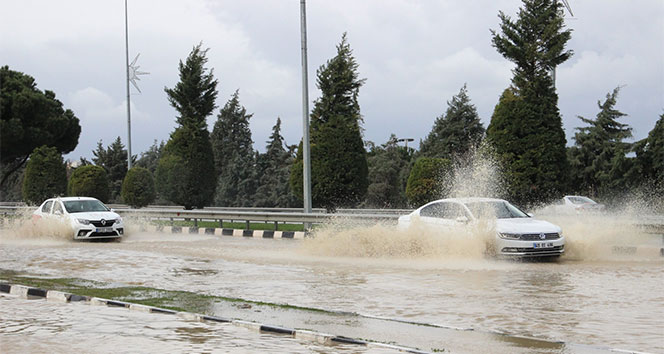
(96, 215)
(525, 225)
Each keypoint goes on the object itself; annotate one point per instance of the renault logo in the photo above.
(542, 235)
(103, 222)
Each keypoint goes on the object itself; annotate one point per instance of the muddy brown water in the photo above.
(590, 297)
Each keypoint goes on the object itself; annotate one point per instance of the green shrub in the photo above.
(89, 181)
(45, 175)
(138, 188)
(425, 182)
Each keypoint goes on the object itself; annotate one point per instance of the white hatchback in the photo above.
(88, 217)
(517, 233)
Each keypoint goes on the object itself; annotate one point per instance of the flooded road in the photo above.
(585, 298)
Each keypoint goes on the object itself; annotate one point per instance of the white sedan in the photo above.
(576, 204)
(517, 233)
(88, 217)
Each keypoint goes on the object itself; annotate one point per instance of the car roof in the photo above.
(68, 199)
(468, 200)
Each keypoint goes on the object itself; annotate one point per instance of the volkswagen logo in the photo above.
(542, 235)
(103, 223)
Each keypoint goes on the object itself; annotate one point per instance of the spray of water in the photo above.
(477, 174)
(616, 235)
(22, 227)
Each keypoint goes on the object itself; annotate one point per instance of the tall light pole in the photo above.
(128, 104)
(306, 157)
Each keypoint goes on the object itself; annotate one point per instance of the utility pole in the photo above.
(128, 104)
(306, 157)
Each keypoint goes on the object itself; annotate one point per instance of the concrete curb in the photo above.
(226, 232)
(26, 292)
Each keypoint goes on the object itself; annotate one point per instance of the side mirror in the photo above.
(531, 215)
(462, 220)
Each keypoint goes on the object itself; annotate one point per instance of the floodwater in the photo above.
(40, 326)
(590, 299)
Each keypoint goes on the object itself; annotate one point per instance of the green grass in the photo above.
(168, 299)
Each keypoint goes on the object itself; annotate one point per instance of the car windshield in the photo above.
(84, 206)
(581, 200)
(495, 209)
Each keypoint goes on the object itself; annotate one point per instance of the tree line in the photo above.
(197, 167)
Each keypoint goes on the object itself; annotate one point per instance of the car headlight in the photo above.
(118, 220)
(509, 236)
(83, 221)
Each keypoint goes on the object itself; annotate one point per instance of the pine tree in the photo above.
(457, 131)
(185, 172)
(598, 157)
(274, 171)
(234, 155)
(338, 159)
(114, 160)
(530, 139)
(388, 174)
(150, 158)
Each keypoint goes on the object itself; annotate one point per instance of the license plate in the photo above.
(542, 244)
(104, 229)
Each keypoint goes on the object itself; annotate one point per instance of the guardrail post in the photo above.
(276, 226)
(195, 222)
(247, 227)
(171, 221)
(221, 223)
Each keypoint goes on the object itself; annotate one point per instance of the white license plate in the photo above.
(542, 244)
(104, 229)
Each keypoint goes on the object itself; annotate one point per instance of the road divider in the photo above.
(227, 232)
(26, 292)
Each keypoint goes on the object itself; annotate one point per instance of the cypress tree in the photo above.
(234, 155)
(338, 160)
(530, 139)
(114, 160)
(273, 168)
(45, 175)
(185, 172)
(457, 131)
(598, 157)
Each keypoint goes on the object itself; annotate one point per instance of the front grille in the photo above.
(97, 223)
(536, 237)
(540, 250)
(103, 234)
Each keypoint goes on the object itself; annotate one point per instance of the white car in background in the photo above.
(517, 233)
(576, 204)
(88, 217)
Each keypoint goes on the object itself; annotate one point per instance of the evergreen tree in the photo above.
(273, 168)
(650, 154)
(457, 131)
(45, 175)
(30, 118)
(234, 155)
(89, 181)
(388, 164)
(598, 157)
(338, 159)
(150, 158)
(114, 160)
(426, 182)
(530, 139)
(185, 173)
(138, 187)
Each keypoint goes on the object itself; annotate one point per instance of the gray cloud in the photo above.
(414, 54)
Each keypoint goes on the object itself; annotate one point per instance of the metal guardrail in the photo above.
(652, 224)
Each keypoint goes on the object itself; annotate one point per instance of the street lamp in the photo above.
(306, 158)
(406, 140)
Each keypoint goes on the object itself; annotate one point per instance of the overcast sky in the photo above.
(415, 56)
